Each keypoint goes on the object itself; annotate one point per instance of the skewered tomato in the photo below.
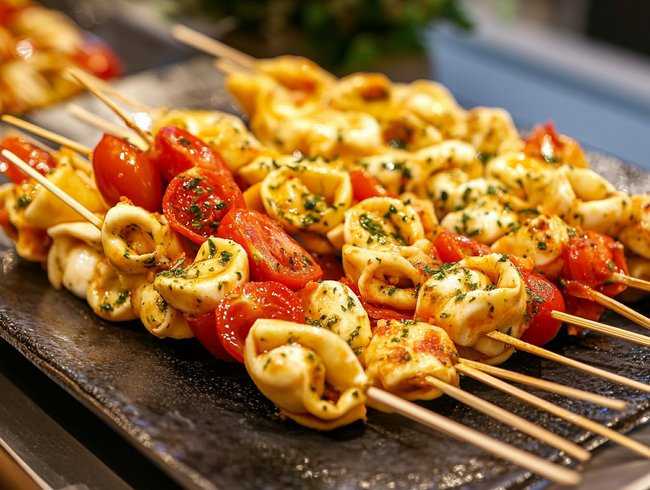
(205, 332)
(122, 170)
(365, 185)
(451, 247)
(236, 313)
(543, 298)
(99, 59)
(35, 157)
(176, 150)
(273, 255)
(546, 143)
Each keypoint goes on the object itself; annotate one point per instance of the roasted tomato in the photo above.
(197, 200)
(451, 247)
(236, 313)
(176, 150)
(543, 298)
(35, 157)
(365, 185)
(122, 170)
(331, 266)
(546, 143)
(273, 255)
(203, 328)
(99, 59)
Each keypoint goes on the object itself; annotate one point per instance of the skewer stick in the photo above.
(547, 354)
(509, 418)
(556, 473)
(211, 46)
(550, 386)
(227, 66)
(563, 413)
(633, 282)
(621, 309)
(602, 328)
(81, 210)
(107, 88)
(48, 135)
(79, 76)
(106, 126)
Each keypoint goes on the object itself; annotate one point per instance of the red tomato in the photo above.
(377, 312)
(99, 59)
(122, 170)
(451, 247)
(36, 157)
(236, 313)
(331, 266)
(543, 298)
(176, 150)
(591, 258)
(546, 143)
(365, 185)
(197, 200)
(205, 332)
(273, 255)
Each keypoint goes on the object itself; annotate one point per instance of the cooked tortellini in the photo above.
(473, 297)
(107, 296)
(491, 131)
(402, 354)
(541, 239)
(636, 234)
(136, 241)
(307, 198)
(310, 373)
(486, 220)
(382, 223)
(388, 278)
(219, 267)
(391, 168)
(333, 305)
(523, 176)
(367, 92)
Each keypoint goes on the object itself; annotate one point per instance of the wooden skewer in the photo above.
(556, 473)
(81, 210)
(551, 387)
(538, 351)
(509, 418)
(79, 76)
(48, 135)
(602, 328)
(621, 309)
(563, 413)
(633, 282)
(107, 88)
(211, 46)
(107, 126)
(227, 66)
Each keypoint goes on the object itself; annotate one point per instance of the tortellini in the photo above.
(636, 234)
(491, 131)
(309, 373)
(402, 354)
(307, 198)
(473, 297)
(334, 306)
(219, 267)
(107, 296)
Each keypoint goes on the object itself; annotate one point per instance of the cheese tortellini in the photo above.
(309, 373)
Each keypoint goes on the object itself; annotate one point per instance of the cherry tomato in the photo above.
(273, 255)
(176, 150)
(236, 313)
(365, 185)
(377, 312)
(36, 157)
(451, 247)
(204, 330)
(546, 143)
(591, 258)
(122, 170)
(99, 59)
(331, 266)
(197, 200)
(580, 302)
(543, 298)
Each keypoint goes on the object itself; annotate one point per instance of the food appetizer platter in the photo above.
(203, 419)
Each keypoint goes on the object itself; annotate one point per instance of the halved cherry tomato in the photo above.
(273, 255)
(331, 266)
(197, 200)
(365, 185)
(591, 258)
(203, 328)
(37, 158)
(543, 298)
(546, 143)
(451, 247)
(236, 313)
(99, 59)
(580, 302)
(122, 170)
(176, 150)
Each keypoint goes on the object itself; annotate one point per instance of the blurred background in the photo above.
(583, 64)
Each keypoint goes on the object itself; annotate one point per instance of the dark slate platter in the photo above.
(204, 423)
